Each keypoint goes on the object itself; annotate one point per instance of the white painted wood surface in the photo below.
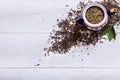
(59, 74)
(24, 30)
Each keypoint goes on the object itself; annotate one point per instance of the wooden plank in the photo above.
(21, 49)
(31, 16)
(26, 50)
(59, 74)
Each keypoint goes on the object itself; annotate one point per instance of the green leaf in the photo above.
(111, 33)
(105, 30)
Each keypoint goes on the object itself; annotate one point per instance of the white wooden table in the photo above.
(24, 30)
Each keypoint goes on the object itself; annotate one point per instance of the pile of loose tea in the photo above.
(94, 15)
(69, 35)
(115, 18)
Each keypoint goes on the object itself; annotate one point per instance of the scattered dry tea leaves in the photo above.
(69, 35)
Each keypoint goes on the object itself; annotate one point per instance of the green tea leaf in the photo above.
(111, 33)
(114, 33)
(105, 30)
